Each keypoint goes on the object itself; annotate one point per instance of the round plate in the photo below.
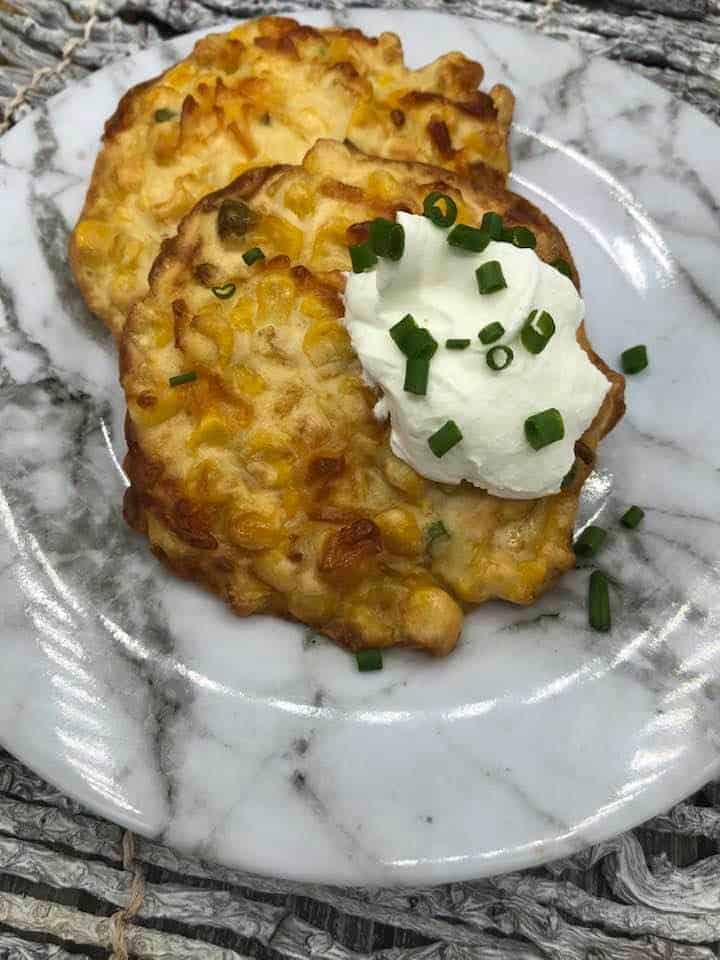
(244, 740)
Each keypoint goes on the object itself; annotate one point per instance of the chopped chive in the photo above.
(417, 371)
(252, 255)
(164, 114)
(468, 238)
(369, 660)
(632, 517)
(445, 438)
(492, 224)
(362, 257)
(523, 238)
(589, 542)
(402, 330)
(224, 292)
(491, 332)
(562, 266)
(634, 359)
(537, 331)
(544, 428)
(434, 212)
(419, 342)
(599, 602)
(490, 277)
(499, 357)
(181, 378)
(435, 530)
(387, 238)
(457, 344)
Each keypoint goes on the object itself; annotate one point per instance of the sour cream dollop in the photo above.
(436, 284)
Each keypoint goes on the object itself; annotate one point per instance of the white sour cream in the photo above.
(436, 284)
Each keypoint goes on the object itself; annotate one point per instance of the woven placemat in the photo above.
(74, 885)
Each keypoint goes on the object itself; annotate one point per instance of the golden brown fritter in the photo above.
(267, 477)
(264, 93)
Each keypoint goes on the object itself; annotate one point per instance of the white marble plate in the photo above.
(146, 699)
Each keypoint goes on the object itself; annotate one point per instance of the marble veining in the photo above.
(256, 743)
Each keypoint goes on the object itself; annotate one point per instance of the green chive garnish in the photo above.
(599, 602)
(445, 439)
(181, 378)
(544, 428)
(491, 333)
(435, 530)
(492, 225)
(522, 237)
(490, 277)
(457, 344)
(362, 257)
(224, 292)
(589, 542)
(417, 372)
(563, 267)
(499, 358)
(163, 115)
(632, 517)
(252, 255)
(537, 330)
(433, 209)
(387, 238)
(634, 359)
(402, 330)
(419, 342)
(468, 238)
(369, 660)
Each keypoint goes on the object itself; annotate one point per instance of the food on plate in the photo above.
(260, 458)
(263, 93)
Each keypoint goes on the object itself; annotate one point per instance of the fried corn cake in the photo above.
(264, 93)
(263, 473)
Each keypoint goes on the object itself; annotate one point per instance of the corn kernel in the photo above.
(247, 381)
(181, 76)
(316, 308)
(252, 530)
(400, 531)
(282, 237)
(276, 295)
(274, 568)
(311, 607)
(242, 315)
(94, 238)
(211, 430)
(432, 620)
(300, 200)
(326, 342)
(165, 406)
(382, 184)
(331, 242)
(204, 480)
(363, 115)
(404, 478)
(212, 322)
